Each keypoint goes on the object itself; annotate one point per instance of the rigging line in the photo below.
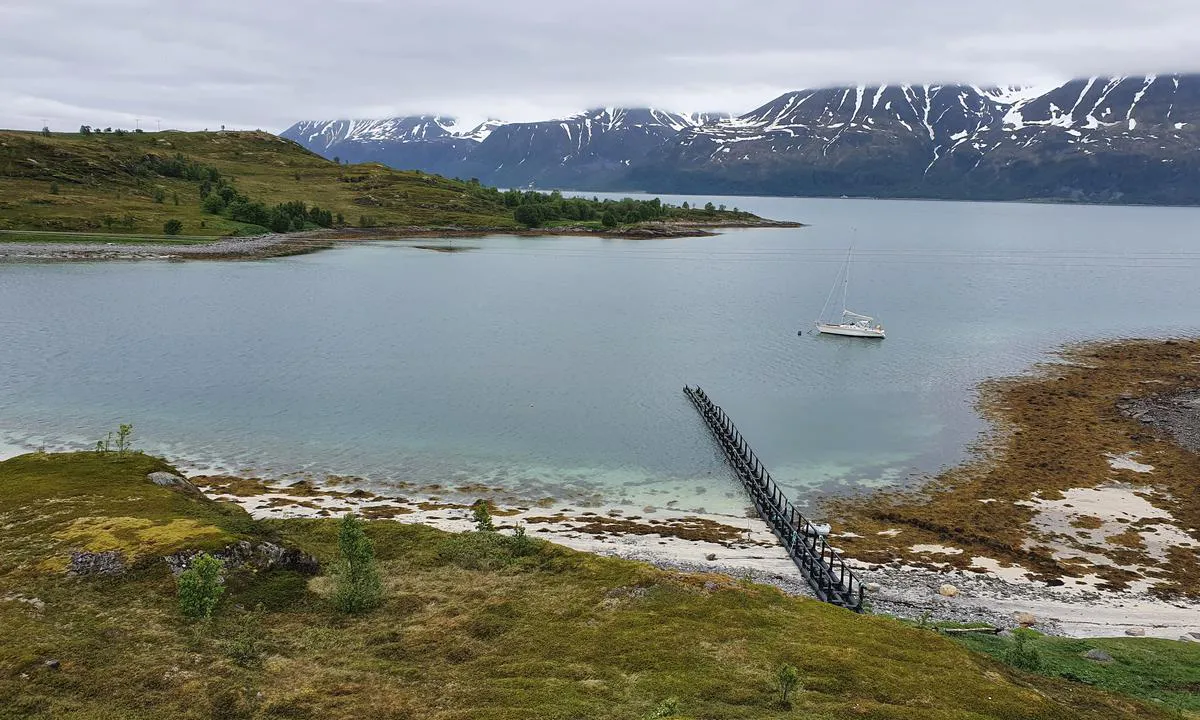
(846, 281)
(830, 297)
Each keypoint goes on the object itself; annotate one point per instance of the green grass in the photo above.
(471, 628)
(69, 182)
(1164, 672)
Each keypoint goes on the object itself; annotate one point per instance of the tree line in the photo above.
(536, 209)
(218, 196)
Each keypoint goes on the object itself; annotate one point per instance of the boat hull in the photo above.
(850, 331)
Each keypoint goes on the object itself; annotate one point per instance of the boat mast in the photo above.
(846, 279)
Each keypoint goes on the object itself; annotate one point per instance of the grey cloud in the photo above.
(266, 64)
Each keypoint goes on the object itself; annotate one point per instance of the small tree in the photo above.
(483, 518)
(1022, 654)
(359, 587)
(85, 129)
(200, 586)
(123, 433)
(786, 679)
(522, 544)
(46, 130)
(172, 227)
(159, 195)
(102, 446)
(608, 219)
(53, 188)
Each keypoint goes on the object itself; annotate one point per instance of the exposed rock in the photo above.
(1025, 619)
(710, 556)
(261, 557)
(871, 587)
(1185, 638)
(109, 562)
(53, 664)
(171, 480)
(710, 586)
(1098, 655)
(947, 590)
(37, 604)
(1135, 632)
(1195, 635)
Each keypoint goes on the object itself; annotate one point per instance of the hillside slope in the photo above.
(475, 625)
(122, 182)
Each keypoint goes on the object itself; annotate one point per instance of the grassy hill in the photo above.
(127, 187)
(101, 183)
(471, 628)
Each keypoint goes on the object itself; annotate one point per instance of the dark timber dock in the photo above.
(821, 565)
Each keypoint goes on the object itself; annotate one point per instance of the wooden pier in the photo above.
(821, 565)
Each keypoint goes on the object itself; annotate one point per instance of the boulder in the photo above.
(948, 590)
(1098, 655)
(871, 587)
(710, 557)
(1135, 632)
(1025, 619)
(109, 562)
(262, 557)
(171, 480)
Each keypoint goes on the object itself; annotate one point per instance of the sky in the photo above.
(257, 64)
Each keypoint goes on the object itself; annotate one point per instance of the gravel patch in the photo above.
(1177, 415)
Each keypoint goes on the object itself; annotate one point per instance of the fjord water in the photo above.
(553, 367)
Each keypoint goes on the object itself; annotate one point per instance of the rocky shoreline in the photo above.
(258, 247)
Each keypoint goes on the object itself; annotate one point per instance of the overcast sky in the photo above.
(251, 63)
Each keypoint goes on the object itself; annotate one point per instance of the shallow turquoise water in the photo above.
(553, 367)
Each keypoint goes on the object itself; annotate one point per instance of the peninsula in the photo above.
(97, 195)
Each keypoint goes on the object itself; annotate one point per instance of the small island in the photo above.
(220, 195)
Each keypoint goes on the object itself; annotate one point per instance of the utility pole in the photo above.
(137, 123)
(159, 123)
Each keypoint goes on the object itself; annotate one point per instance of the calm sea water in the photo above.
(554, 367)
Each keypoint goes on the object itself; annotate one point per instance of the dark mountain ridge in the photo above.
(1133, 139)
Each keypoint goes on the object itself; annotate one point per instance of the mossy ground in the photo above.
(1164, 672)
(1053, 432)
(472, 628)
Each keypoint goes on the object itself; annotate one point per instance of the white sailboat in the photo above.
(851, 324)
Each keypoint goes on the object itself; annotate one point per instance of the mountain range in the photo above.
(1131, 139)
